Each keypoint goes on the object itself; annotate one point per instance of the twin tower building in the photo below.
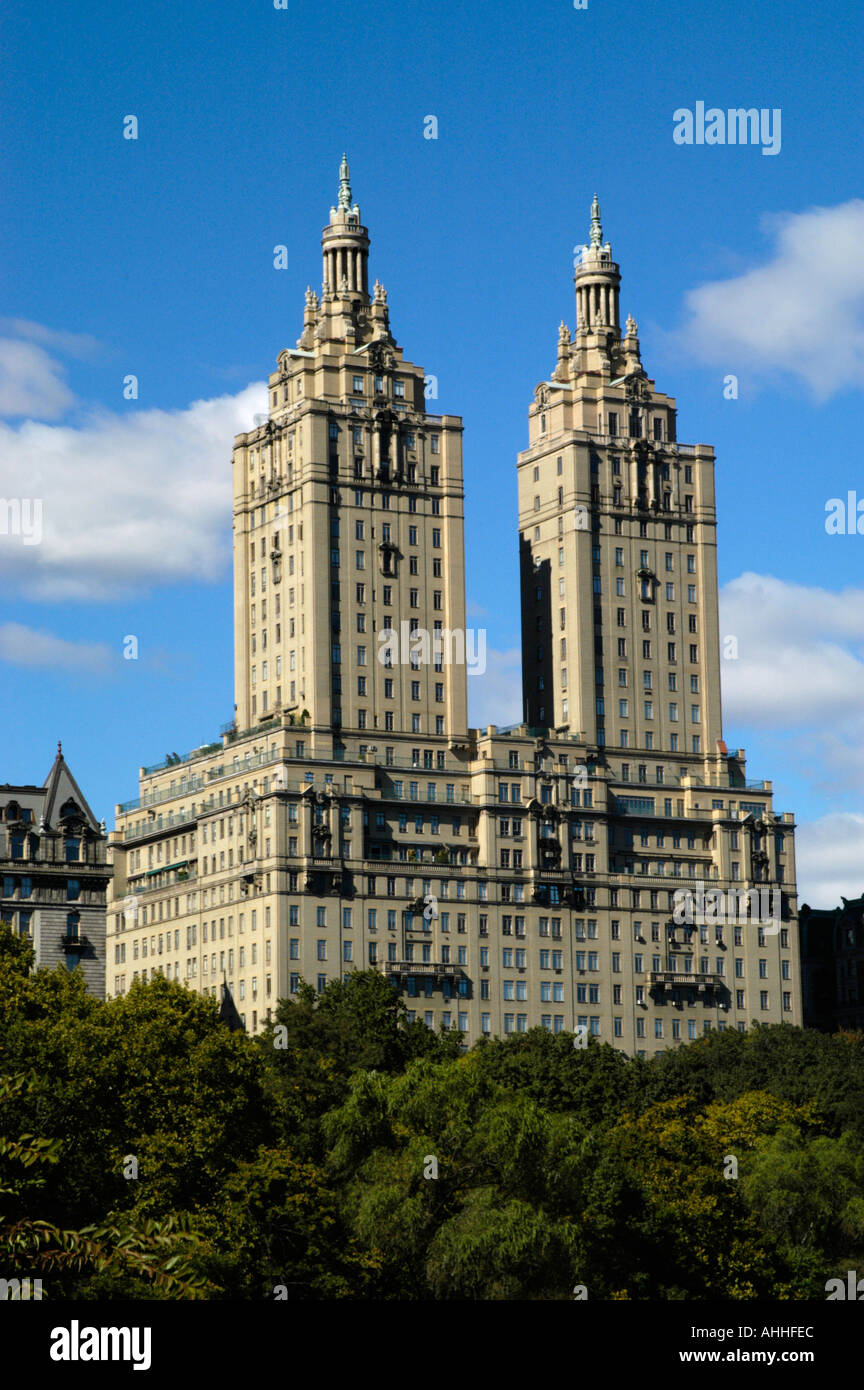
(603, 867)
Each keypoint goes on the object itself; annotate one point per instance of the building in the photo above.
(55, 874)
(503, 878)
(832, 966)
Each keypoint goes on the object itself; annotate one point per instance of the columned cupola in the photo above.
(345, 247)
(597, 281)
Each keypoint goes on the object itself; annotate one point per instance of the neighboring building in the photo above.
(350, 792)
(55, 873)
(832, 966)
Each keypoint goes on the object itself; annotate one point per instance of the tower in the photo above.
(349, 527)
(618, 545)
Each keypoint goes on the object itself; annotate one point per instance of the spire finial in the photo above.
(344, 184)
(59, 749)
(596, 227)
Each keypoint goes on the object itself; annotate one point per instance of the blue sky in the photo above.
(155, 257)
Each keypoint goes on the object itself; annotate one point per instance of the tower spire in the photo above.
(597, 281)
(596, 225)
(344, 184)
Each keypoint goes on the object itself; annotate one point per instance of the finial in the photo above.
(59, 749)
(596, 227)
(632, 326)
(344, 185)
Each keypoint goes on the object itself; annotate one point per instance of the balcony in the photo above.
(392, 794)
(435, 969)
(74, 945)
(649, 810)
(198, 781)
(673, 979)
(154, 825)
(188, 878)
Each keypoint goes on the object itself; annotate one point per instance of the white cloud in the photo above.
(829, 855)
(31, 382)
(799, 652)
(496, 696)
(82, 345)
(799, 673)
(801, 313)
(128, 500)
(24, 646)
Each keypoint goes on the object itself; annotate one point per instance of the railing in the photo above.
(673, 977)
(686, 813)
(250, 760)
(410, 967)
(664, 880)
(456, 769)
(156, 798)
(177, 761)
(157, 823)
(270, 727)
(463, 799)
(427, 863)
(190, 881)
(215, 774)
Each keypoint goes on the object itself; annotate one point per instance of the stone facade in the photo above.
(55, 874)
(543, 875)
